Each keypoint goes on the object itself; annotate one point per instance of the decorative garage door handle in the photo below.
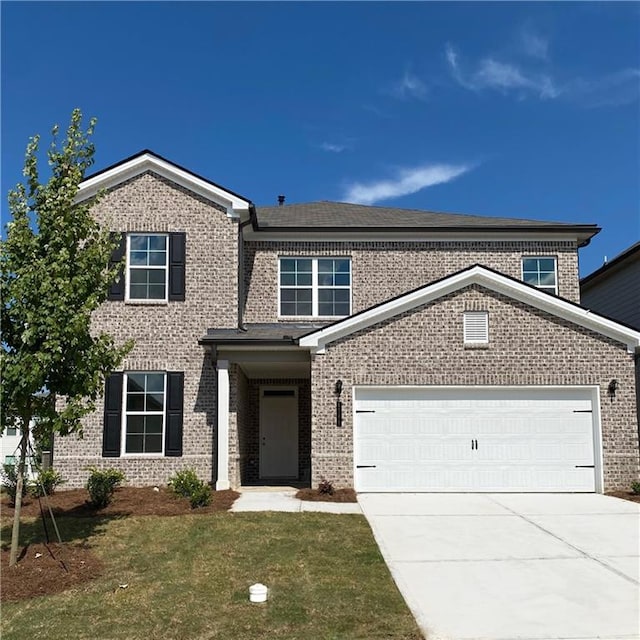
(365, 411)
(365, 466)
(474, 445)
(585, 466)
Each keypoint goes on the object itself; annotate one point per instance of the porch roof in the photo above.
(280, 333)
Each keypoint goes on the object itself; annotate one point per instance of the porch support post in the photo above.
(223, 425)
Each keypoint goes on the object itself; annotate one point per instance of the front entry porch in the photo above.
(263, 417)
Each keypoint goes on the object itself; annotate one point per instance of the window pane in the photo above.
(288, 295)
(138, 292)
(156, 292)
(138, 258)
(153, 424)
(304, 309)
(135, 424)
(155, 382)
(153, 444)
(288, 309)
(341, 295)
(135, 402)
(547, 264)
(287, 278)
(341, 309)
(136, 382)
(343, 279)
(138, 242)
(157, 243)
(155, 402)
(548, 279)
(134, 443)
(325, 295)
(138, 276)
(303, 279)
(157, 258)
(303, 295)
(156, 276)
(343, 266)
(325, 280)
(288, 265)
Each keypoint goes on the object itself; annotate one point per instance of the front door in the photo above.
(278, 432)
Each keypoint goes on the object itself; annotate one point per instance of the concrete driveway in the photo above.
(508, 566)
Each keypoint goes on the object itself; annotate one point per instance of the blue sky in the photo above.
(524, 110)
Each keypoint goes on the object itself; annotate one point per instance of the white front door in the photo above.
(278, 432)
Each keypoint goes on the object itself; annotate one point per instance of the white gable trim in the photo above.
(148, 162)
(489, 279)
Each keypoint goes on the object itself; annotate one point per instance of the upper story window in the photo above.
(315, 287)
(155, 267)
(148, 267)
(541, 272)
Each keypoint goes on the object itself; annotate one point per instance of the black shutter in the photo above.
(116, 290)
(112, 416)
(175, 392)
(177, 259)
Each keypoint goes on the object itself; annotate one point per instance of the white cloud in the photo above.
(500, 76)
(620, 87)
(533, 44)
(333, 148)
(406, 181)
(410, 86)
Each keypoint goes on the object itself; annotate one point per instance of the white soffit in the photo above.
(488, 279)
(148, 162)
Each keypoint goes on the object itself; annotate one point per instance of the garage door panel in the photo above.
(421, 439)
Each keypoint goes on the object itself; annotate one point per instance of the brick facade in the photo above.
(383, 270)
(421, 347)
(425, 347)
(166, 335)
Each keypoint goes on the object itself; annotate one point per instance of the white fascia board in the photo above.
(233, 204)
(488, 279)
(406, 235)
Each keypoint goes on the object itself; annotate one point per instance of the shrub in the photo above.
(10, 481)
(635, 487)
(186, 483)
(325, 487)
(101, 485)
(50, 479)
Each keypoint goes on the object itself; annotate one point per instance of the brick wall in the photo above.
(425, 347)
(167, 334)
(382, 270)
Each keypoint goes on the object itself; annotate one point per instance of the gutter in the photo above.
(241, 290)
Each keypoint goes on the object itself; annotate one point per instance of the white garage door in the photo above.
(474, 439)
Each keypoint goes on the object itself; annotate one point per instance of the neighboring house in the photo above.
(9, 449)
(379, 348)
(614, 289)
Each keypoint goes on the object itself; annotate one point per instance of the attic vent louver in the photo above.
(476, 327)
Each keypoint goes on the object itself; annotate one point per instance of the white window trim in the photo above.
(540, 257)
(123, 432)
(314, 286)
(129, 267)
(471, 324)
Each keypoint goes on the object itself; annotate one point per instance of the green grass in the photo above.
(189, 577)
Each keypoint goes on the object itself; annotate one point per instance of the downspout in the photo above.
(636, 358)
(241, 225)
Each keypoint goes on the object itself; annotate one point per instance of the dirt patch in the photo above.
(127, 501)
(338, 495)
(44, 569)
(625, 495)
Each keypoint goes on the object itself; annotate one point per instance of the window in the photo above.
(9, 459)
(155, 267)
(144, 413)
(317, 287)
(540, 272)
(476, 327)
(147, 260)
(11, 431)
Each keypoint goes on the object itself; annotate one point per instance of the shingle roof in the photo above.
(261, 333)
(343, 215)
(633, 252)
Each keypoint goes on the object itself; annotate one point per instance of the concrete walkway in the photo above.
(283, 499)
(513, 566)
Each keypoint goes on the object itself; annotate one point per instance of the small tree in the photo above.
(55, 273)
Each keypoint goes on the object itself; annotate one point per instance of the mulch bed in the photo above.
(625, 495)
(44, 569)
(127, 501)
(338, 495)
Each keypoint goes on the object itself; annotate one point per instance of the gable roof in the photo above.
(485, 277)
(326, 216)
(149, 161)
(626, 256)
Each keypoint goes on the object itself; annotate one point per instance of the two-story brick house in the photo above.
(380, 348)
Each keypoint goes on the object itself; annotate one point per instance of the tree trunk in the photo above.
(15, 533)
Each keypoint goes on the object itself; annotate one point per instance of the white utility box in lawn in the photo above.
(258, 593)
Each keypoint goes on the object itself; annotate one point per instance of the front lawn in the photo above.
(188, 577)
